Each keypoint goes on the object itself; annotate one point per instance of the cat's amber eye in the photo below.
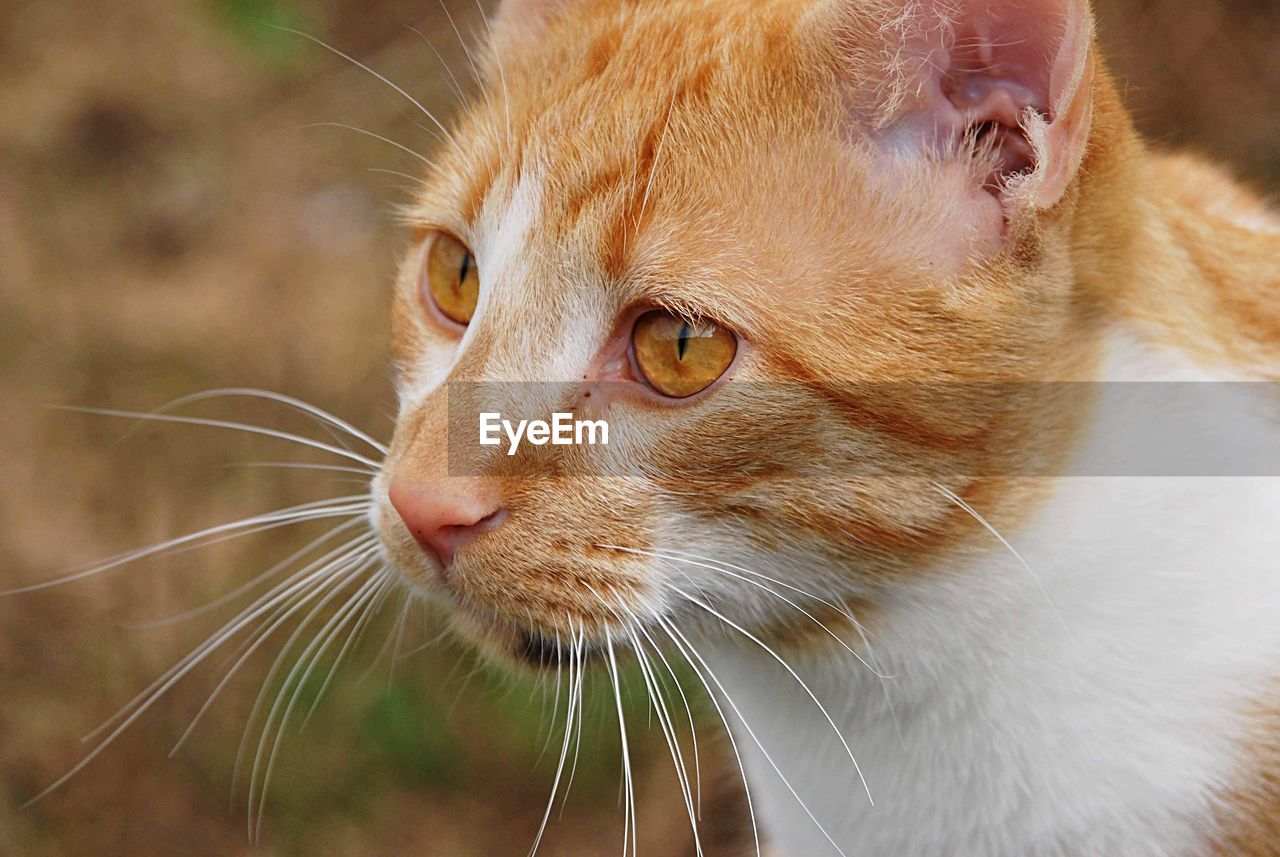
(679, 357)
(451, 280)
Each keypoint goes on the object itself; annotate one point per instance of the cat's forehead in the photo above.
(687, 155)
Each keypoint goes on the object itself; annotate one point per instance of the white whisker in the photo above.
(575, 694)
(228, 424)
(733, 742)
(371, 609)
(394, 639)
(269, 520)
(298, 465)
(296, 680)
(286, 607)
(717, 568)
(255, 582)
(502, 75)
(751, 732)
(289, 401)
(693, 732)
(977, 516)
(379, 137)
(330, 563)
(453, 81)
(475, 71)
(629, 823)
(333, 585)
(106, 742)
(672, 739)
(415, 102)
(795, 675)
(579, 652)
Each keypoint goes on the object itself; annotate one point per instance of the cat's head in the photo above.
(751, 236)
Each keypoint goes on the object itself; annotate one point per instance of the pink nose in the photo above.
(444, 515)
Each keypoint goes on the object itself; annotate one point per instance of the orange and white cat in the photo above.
(758, 238)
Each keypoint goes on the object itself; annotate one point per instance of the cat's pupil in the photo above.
(682, 344)
(466, 267)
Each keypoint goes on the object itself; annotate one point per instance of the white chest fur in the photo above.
(1089, 707)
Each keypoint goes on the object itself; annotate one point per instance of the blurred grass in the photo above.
(167, 225)
(261, 26)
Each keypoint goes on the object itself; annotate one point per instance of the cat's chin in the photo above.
(537, 651)
(524, 648)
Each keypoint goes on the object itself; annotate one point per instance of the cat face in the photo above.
(758, 239)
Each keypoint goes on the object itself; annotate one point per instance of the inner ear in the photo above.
(1004, 82)
(989, 77)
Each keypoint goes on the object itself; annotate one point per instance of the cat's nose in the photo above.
(445, 514)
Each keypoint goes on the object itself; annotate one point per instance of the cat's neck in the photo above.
(1102, 673)
(1187, 258)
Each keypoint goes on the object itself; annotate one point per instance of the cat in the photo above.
(930, 439)
(752, 234)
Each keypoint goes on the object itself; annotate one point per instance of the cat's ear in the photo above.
(1007, 81)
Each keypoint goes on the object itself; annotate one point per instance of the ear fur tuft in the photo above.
(1005, 83)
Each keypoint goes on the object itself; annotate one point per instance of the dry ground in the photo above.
(167, 225)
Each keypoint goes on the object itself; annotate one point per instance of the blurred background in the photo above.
(171, 221)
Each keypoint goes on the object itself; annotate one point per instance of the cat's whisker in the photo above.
(657, 159)
(318, 510)
(357, 512)
(448, 137)
(371, 609)
(356, 517)
(554, 691)
(296, 681)
(206, 422)
(717, 567)
(255, 582)
(579, 653)
(751, 732)
(330, 563)
(842, 609)
(422, 647)
(390, 648)
(326, 591)
(795, 675)
(281, 609)
(635, 629)
(317, 413)
(124, 724)
(344, 126)
(429, 131)
(502, 75)
(415, 182)
(986, 525)
(733, 741)
(466, 49)
(629, 815)
(453, 80)
(630, 822)
(575, 692)
(669, 733)
(555, 702)
(688, 710)
(299, 465)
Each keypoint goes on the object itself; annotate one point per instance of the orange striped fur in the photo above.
(712, 157)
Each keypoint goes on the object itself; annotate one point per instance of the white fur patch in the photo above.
(1090, 707)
